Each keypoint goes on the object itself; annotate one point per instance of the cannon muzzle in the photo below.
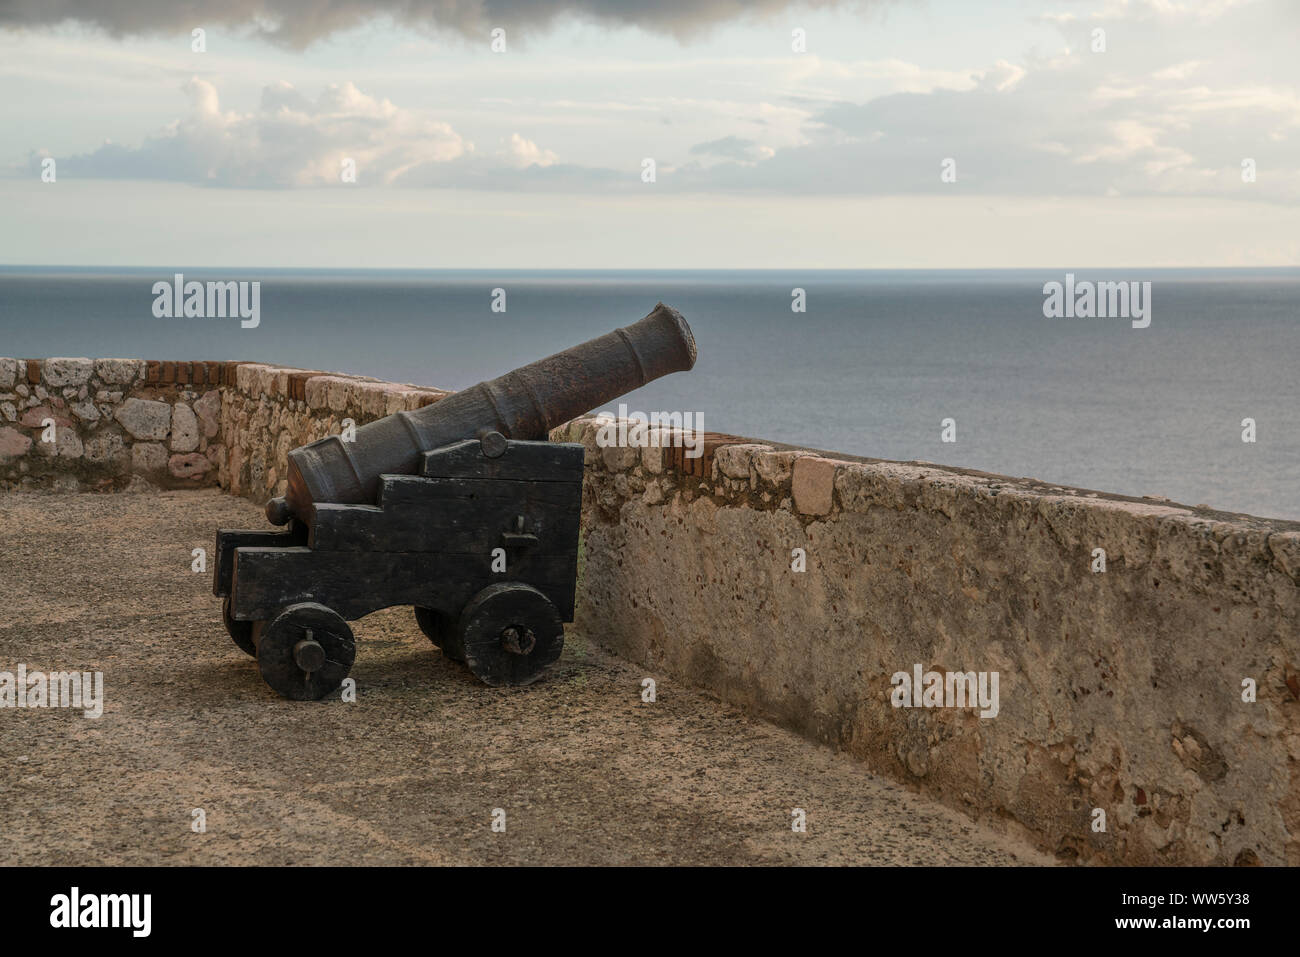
(524, 404)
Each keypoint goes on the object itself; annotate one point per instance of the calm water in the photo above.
(872, 368)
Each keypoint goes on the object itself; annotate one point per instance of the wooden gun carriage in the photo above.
(483, 542)
(461, 510)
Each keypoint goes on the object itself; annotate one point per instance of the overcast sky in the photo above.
(766, 157)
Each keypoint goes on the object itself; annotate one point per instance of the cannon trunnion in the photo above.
(482, 541)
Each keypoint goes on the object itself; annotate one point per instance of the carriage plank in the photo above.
(356, 584)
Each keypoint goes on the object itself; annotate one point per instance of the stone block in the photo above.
(108, 448)
(813, 484)
(208, 410)
(775, 468)
(119, 371)
(145, 418)
(148, 458)
(189, 466)
(619, 458)
(185, 428)
(13, 444)
(735, 461)
(67, 444)
(67, 372)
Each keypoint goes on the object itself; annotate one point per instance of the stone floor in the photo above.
(408, 774)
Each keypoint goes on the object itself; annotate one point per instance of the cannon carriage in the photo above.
(482, 542)
(461, 510)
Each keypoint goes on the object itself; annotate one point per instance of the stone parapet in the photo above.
(798, 586)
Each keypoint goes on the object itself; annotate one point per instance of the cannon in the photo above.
(462, 510)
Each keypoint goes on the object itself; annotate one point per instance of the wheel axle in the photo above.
(518, 640)
(309, 654)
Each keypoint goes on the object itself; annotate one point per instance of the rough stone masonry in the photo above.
(100, 423)
(97, 424)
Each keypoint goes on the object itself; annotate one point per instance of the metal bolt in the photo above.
(493, 444)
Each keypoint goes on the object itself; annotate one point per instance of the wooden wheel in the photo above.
(305, 651)
(240, 631)
(440, 628)
(510, 632)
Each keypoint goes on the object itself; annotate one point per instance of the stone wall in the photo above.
(132, 422)
(1121, 691)
(269, 410)
(75, 423)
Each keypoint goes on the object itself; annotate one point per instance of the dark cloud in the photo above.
(297, 23)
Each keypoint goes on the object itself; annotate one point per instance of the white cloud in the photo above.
(522, 153)
(291, 140)
(1172, 108)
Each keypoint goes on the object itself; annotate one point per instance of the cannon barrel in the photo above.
(524, 404)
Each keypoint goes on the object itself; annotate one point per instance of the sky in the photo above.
(889, 134)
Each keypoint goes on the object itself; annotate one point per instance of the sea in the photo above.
(955, 367)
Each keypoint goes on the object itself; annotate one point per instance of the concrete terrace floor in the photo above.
(408, 774)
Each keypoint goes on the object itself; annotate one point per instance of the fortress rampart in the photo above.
(1147, 654)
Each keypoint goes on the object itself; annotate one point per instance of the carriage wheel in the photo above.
(305, 651)
(240, 631)
(440, 628)
(510, 632)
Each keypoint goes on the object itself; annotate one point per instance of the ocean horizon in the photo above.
(873, 367)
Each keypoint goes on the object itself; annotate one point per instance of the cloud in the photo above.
(297, 23)
(1172, 108)
(291, 140)
(734, 148)
(523, 153)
